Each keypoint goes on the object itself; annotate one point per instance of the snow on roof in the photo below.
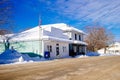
(4, 37)
(64, 27)
(74, 29)
(113, 46)
(31, 34)
(34, 33)
(80, 42)
(63, 40)
(56, 39)
(57, 25)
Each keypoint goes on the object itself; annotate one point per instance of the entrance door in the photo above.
(75, 50)
(57, 49)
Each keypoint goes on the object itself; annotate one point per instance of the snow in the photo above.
(12, 56)
(113, 48)
(49, 30)
(65, 27)
(110, 54)
(56, 39)
(7, 57)
(91, 54)
(32, 34)
(21, 59)
(81, 56)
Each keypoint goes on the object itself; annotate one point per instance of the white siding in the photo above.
(54, 32)
(73, 36)
(28, 46)
(62, 53)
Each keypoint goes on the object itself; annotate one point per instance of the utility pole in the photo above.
(40, 31)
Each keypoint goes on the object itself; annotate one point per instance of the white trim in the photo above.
(63, 40)
(69, 29)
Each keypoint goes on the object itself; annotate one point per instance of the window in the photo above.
(75, 36)
(64, 49)
(79, 37)
(57, 44)
(70, 38)
(75, 49)
(57, 49)
(49, 48)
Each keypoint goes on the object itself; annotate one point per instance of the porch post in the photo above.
(85, 50)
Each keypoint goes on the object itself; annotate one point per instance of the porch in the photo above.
(77, 49)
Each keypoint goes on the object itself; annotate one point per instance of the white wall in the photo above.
(54, 32)
(112, 49)
(28, 46)
(62, 53)
(73, 36)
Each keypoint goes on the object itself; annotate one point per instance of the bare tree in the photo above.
(5, 38)
(97, 38)
(6, 21)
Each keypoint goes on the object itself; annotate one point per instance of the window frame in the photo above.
(80, 38)
(49, 48)
(75, 36)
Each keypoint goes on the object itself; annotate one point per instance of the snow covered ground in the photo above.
(12, 56)
(90, 54)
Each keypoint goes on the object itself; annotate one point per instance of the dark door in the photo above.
(57, 49)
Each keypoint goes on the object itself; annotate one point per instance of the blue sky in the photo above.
(77, 13)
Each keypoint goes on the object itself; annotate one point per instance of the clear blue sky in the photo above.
(77, 13)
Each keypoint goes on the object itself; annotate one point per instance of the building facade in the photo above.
(53, 40)
(113, 48)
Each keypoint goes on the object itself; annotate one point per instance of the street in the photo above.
(89, 68)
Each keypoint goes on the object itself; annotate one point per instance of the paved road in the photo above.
(93, 68)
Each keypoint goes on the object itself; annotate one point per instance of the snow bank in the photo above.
(101, 54)
(109, 54)
(12, 56)
(81, 56)
(92, 54)
(9, 56)
(88, 55)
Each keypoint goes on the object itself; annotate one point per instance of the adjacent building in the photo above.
(53, 40)
(113, 48)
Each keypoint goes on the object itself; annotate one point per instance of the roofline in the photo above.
(63, 40)
(76, 30)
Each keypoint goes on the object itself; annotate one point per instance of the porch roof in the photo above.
(63, 40)
(56, 39)
(74, 29)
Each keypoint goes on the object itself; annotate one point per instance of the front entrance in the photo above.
(76, 49)
(57, 50)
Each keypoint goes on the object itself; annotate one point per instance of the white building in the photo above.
(112, 49)
(53, 40)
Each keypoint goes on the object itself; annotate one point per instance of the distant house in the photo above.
(112, 49)
(53, 40)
